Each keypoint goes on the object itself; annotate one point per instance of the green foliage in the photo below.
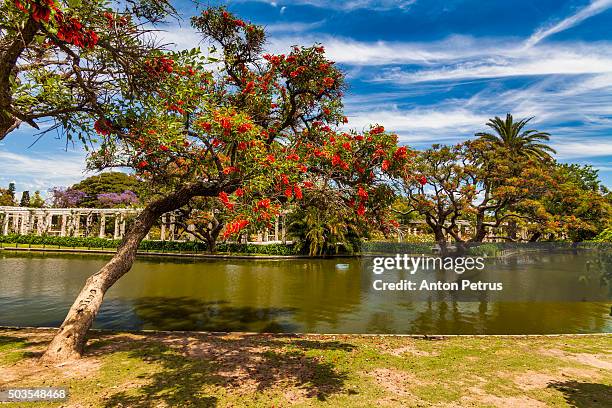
(108, 182)
(6, 198)
(396, 247)
(37, 201)
(510, 134)
(484, 250)
(25, 199)
(158, 246)
(604, 236)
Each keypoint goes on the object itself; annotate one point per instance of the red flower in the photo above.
(239, 192)
(265, 203)
(225, 200)
(401, 153)
(20, 6)
(308, 184)
(163, 148)
(298, 192)
(270, 158)
(143, 164)
(288, 192)
(336, 160)
(284, 179)
(102, 127)
(361, 210)
(362, 194)
(245, 127)
(293, 157)
(423, 180)
(328, 82)
(377, 130)
(346, 146)
(206, 126)
(249, 88)
(385, 164)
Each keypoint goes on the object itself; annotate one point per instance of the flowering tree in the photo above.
(254, 131)
(124, 199)
(66, 197)
(67, 59)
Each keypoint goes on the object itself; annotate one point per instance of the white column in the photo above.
(283, 232)
(116, 232)
(15, 223)
(172, 227)
(163, 227)
(276, 229)
(77, 224)
(102, 233)
(63, 225)
(122, 226)
(5, 229)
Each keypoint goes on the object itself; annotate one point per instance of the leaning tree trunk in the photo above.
(69, 341)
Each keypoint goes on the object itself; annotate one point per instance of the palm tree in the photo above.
(510, 134)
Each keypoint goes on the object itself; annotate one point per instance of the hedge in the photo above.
(161, 246)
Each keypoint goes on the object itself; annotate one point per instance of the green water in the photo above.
(543, 293)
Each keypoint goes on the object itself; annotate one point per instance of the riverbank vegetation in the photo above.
(206, 370)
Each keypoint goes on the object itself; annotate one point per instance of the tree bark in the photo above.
(10, 51)
(70, 339)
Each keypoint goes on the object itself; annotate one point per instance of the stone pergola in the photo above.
(64, 222)
(93, 222)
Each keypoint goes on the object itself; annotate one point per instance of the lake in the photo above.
(542, 293)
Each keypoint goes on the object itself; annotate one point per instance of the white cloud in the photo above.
(594, 8)
(583, 147)
(349, 5)
(40, 172)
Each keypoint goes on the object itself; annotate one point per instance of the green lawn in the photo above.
(200, 370)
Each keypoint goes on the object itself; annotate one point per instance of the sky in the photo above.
(433, 71)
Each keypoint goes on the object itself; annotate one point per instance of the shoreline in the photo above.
(322, 335)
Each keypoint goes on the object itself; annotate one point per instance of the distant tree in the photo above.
(109, 189)
(574, 205)
(66, 197)
(25, 199)
(510, 134)
(112, 200)
(6, 198)
(11, 190)
(37, 201)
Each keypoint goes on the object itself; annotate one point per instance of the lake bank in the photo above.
(202, 369)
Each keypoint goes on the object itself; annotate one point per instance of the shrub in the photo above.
(604, 236)
(161, 246)
(484, 250)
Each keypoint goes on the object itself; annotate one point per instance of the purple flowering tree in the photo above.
(124, 199)
(66, 197)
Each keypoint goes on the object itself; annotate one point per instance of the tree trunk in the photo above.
(69, 341)
(10, 51)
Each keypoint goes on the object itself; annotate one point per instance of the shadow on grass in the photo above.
(183, 313)
(190, 369)
(585, 395)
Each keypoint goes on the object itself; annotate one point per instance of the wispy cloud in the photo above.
(40, 172)
(596, 7)
(346, 5)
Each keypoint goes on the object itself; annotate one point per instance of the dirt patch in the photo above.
(531, 380)
(602, 361)
(395, 381)
(481, 397)
(410, 349)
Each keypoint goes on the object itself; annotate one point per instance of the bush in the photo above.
(396, 247)
(604, 236)
(161, 246)
(485, 250)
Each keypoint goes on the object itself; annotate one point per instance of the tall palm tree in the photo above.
(510, 134)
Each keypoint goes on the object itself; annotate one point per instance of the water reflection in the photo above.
(543, 294)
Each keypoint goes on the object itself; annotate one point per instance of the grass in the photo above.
(206, 370)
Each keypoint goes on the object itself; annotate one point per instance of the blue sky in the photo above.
(432, 71)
